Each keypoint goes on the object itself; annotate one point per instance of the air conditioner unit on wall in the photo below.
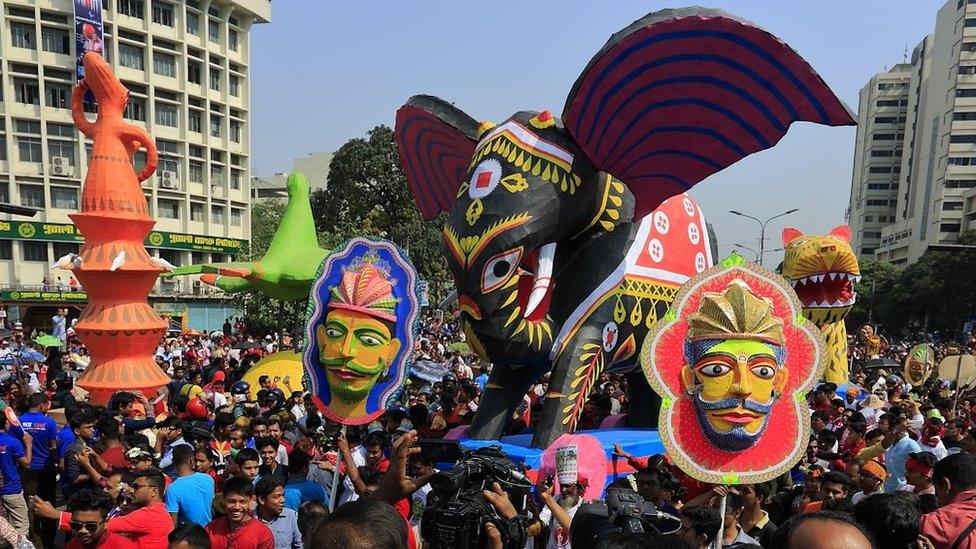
(62, 166)
(169, 180)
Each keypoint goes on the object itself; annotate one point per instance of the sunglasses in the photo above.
(87, 526)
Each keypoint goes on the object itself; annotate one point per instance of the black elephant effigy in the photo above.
(564, 245)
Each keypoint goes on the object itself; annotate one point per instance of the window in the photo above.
(949, 227)
(216, 214)
(880, 169)
(215, 121)
(876, 202)
(162, 13)
(235, 179)
(214, 79)
(952, 206)
(26, 91)
(964, 115)
(57, 95)
(29, 149)
(232, 39)
(4, 191)
(887, 103)
(885, 119)
(234, 85)
(55, 40)
(35, 251)
(164, 64)
(967, 69)
(130, 56)
(196, 171)
(32, 195)
(132, 8)
(216, 175)
(60, 130)
(961, 161)
(167, 114)
(168, 209)
(882, 153)
(971, 22)
(968, 46)
(7, 249)
(869, 218)
(971, 92)
(236, 217)
(136, 109)
(139, 160)
(963, 139)
(193, 72)
(213, 31)
(64, 198)
(196, 151)
(960, 183)
(877, 186)
(62, 249)
(196, 211)
(28, 126)
(194, 121)
(61, 149)
(167, 164)
(192, 23)
(235, 131)
(22, 35)
(883, 137)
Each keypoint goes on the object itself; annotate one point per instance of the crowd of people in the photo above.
(210, 461)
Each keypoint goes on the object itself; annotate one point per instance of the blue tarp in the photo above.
(639, 442)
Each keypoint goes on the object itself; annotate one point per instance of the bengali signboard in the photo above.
(40, 295)
(66, 232)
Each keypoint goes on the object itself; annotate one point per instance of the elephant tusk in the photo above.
(542, 279)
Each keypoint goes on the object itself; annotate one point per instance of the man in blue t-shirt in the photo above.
(40, 479)
(13, 452)
(190, 497)
(299, 488)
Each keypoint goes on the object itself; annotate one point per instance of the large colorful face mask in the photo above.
(919, 364)
(735, 353)
(360, 328)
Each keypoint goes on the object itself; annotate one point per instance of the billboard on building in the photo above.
(88, 35)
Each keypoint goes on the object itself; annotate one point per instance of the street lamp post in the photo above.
(744, 247)
(762, 228)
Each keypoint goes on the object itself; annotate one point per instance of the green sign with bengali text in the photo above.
(66, 232)
(40, 295)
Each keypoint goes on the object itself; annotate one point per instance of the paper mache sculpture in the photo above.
(362, 324)
(288, 267)
(823, 270)
(736, 354)
(552, 234)
(118, 326)
(919, 364)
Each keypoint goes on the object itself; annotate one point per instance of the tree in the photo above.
(367, 194)
(877, 280)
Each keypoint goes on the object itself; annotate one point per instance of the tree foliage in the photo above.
(367, 194)
(937, 292)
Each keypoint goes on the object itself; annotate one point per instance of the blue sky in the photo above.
(324, 72)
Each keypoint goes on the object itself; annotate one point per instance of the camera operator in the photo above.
(559, 511)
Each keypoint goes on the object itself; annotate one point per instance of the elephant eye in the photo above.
(499, 269)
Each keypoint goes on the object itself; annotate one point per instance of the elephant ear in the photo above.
(681, 94)
(436, 141)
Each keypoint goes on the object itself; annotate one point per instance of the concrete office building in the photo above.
(315, 166)
(877, 157)
(186, 65)
(938, 151)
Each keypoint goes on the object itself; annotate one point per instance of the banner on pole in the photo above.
(88, 35)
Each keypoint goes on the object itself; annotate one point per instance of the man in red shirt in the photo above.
(239, 529)
(89, 508)
(150, 524)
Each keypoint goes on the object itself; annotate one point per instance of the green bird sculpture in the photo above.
(287, 269)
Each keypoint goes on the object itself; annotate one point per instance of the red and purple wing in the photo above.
(436, 141)
(681, 94)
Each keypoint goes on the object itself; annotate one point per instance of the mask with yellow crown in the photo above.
(735, 353)
(361, 326)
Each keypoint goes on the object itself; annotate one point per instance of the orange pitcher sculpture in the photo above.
(118, 326)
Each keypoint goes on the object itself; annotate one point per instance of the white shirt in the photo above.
(219, 400)
(349, 490)
(298, 411)
(558, 537)
(939, 450)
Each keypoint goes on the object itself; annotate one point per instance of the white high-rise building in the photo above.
(936, 192)
(877, 157)
(186, 65)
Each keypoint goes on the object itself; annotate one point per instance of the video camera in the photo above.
(624, 512)
(458, 519)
